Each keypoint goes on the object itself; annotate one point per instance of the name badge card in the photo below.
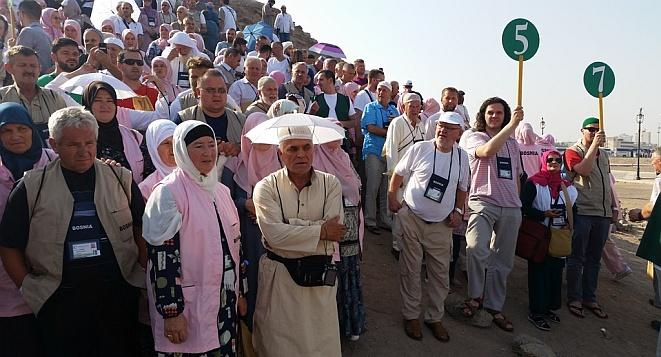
(436, 188)
(504, 165)
(84, 249)
(561, 220)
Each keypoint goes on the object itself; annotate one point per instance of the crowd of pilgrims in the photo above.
(198, 83)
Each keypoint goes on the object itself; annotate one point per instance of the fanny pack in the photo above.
(310, 271)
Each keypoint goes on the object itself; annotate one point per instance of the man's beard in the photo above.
(66, 67)
(447, 108)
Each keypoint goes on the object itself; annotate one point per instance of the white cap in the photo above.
(287, 44)
(408, 83)
(384, 84)
(182, 38)
(114, 41)
(294, 132)
(411, 97)
(451, 118)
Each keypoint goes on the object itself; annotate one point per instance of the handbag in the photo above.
(560, 244)
(533, 240)
(650, 270)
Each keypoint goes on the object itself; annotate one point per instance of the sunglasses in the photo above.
(132, 62)
(551, 160)
(592, 130)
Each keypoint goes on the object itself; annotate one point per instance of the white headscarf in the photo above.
(157, 132)
(207, 182)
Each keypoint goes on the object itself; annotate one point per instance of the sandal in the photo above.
(501, 321)
(576, 310)
(597, 311)
(470, 308)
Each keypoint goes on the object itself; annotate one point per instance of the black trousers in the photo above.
(544, 285)
(19, 336)
(94, 319)
(456, 249)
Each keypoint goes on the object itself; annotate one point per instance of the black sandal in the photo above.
(551, 316)
(539, 322)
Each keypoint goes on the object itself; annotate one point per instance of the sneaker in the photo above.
(354, 338)
(551, 316)
(623, 274)
(539, 322)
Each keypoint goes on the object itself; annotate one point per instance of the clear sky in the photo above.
(458, 43)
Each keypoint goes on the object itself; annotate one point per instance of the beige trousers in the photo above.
(434, 240)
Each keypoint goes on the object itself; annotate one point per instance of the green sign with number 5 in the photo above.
(599, 78)
(520, 37)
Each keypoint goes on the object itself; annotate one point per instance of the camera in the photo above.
(330, 274)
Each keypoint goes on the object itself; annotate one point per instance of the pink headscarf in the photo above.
(170, 89)
(546, 178)
(76, 26)
(278, 76)
(351, 89)
(108, 22)
(526, 135)
(163, 42)
(546, 140)
(336, 161)
(198, 38)
(254, 164)
(52, 31)
(431, 107)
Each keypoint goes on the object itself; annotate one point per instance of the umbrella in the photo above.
(252, 32)
(323, 130)
(108, 8)
(327, 50)
(77, 84)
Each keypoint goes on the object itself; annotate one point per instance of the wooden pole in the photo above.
(12, 27)
(601, 111)
(519, 96)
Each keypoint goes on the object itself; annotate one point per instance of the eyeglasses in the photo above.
(131, 62)
(592, 130)
(213, 91)
(551, 160)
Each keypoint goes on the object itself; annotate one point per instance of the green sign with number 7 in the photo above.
(520, 38)
(599, 78)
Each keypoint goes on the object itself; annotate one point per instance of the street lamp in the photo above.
(542, 124)
(639, 118)
(658, 134)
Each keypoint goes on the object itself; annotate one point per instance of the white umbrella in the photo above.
(107, 8)
(323, 130)
(77, 84)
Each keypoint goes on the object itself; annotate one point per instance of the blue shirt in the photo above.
(376, 114)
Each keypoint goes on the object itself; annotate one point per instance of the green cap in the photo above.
(589, 121)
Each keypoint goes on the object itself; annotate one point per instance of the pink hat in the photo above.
(278, 76)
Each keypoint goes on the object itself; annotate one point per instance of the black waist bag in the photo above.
(307, 271)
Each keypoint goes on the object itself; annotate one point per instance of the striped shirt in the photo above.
(485, 184)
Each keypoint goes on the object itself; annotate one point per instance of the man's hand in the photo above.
(153, 79)
(454, 219)
(599, 139)
(393, 203)
(176, 329)
(173, 54)
(635, 215)
(228, 149)
(333, 230)
(615, 215)
(314, 108)
(517, 116)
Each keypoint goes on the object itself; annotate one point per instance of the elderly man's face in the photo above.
(183, 50)
(213, 93)
(412, 108)
(300, 74)
(24, 70)
(253, 70)
(16, 138)
(447, 134)
(383, 95)
(297, 155)
(269, 92)
(449, 101)
(233, 61)
(76, 148)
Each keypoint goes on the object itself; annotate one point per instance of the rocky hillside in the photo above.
(250, 12)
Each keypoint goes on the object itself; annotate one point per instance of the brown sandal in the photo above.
(501, 321)
(470, 308)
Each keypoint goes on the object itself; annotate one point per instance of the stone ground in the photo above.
(627, 328)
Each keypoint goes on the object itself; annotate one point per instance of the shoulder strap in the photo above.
(568, 206)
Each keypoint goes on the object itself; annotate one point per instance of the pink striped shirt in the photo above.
(485, 184)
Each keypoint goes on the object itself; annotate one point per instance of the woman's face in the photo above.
(203, 153)
(333, 145)
(189, 26)
(16, 138)
(103, 106)
(160, 69)
(553, 162)
(71, 32)
(261, 147)
(107, 29)
(55, 19)
(166, 152)
(129, 41)
(164, 32)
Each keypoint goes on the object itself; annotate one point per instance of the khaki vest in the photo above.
(235, 121)
(290, 87)
(45, 103)
(188, 101)
(49, 223)
(594, 190)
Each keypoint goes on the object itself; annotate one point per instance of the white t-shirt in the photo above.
(418, 165)
(282, 66)
(229, 17)
(331, 100)
(656, 189)
(363, 98)
(284, 23)
(118, 22)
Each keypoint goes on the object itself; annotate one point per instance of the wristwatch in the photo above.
(459, 210)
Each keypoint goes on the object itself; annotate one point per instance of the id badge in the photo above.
(84, 249)
(561, 220)
(182, 80)
(504, 165)
(436, 188)
(348, 203)
(151, 21)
